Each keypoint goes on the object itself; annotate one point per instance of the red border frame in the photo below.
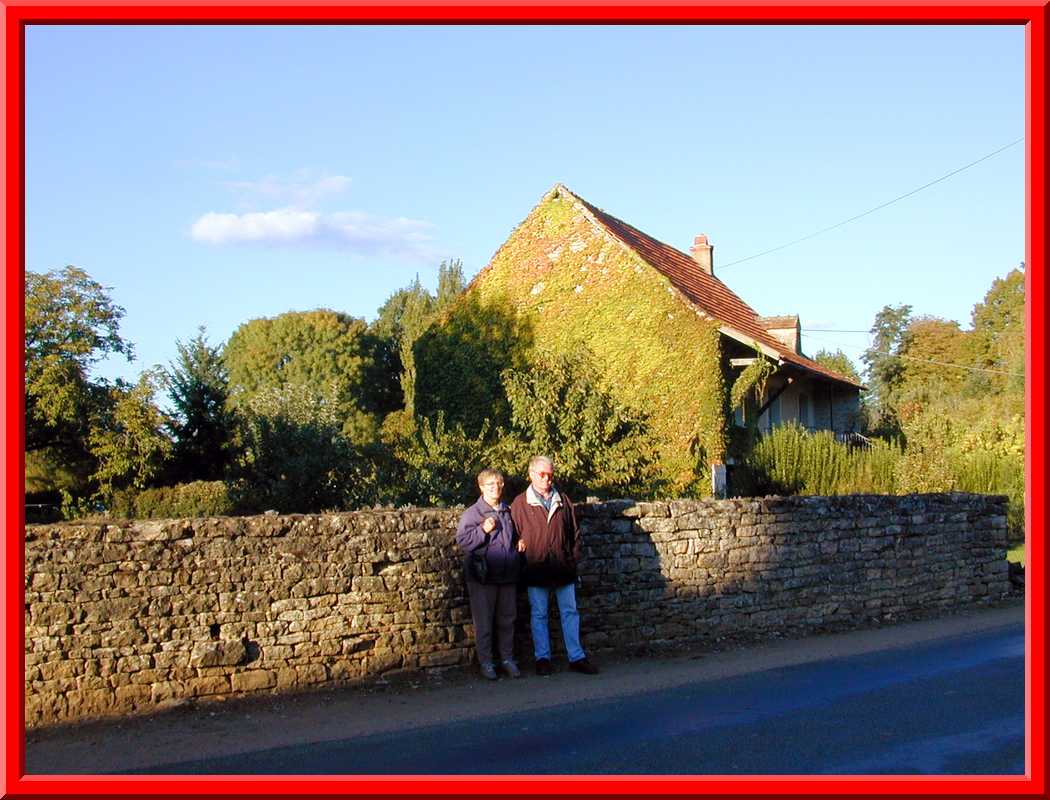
(17, 13)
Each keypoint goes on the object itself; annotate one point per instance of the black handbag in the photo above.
(478, 565)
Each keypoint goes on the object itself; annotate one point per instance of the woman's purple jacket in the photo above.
(502, 556)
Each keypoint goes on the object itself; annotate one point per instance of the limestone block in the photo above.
(311, 674)
(133, 696)
(253, 680)
(220, 653)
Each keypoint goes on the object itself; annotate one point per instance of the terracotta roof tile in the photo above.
(704, 291)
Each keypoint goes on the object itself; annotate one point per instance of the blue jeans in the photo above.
(539, 597)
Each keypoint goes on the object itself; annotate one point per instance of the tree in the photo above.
(459, 360)
(559, 407)
(293, 455)
(407, 313)
(998, 336)
(451, 284)
(838, 362)
(935, 354)
(318, 350)
(439, 463)
(202, 426)
(128, 437)
(884, 365)
(71, 323)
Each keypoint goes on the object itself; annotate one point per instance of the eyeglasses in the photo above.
(493, 484)
(544, 474)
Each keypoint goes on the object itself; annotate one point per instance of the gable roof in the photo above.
(705, 292)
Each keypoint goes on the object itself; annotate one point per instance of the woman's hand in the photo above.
(521, 545)
(489, 525)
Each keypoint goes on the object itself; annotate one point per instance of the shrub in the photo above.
(559, 407)
(295, 458)
(994, 473)
(195, 499)
(438, 463)
(790, 460)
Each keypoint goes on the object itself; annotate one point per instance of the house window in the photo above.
(804, 413)
(744, 412)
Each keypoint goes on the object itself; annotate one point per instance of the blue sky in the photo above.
(212, 175)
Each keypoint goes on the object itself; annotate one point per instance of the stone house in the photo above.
(671, 337)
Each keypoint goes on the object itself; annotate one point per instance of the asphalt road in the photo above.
(951, 705)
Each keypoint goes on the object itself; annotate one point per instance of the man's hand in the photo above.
(489, 525)
(521, 545)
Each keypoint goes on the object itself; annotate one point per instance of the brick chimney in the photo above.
(786, 328)
(702, 253)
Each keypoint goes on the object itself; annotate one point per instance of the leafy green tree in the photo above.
(294, 456)
(407, 313)
(129, 438)
(202, 426)
(71, 323)
(451, 284)
(885, 367)
(317, 350)
(935, 353)
(998, 338)
(559, 407)
(460, 358)
(838, 362)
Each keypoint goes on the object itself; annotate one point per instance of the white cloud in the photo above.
(357, 232)
(283, 225)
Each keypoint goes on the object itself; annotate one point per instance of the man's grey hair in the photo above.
(535, 461)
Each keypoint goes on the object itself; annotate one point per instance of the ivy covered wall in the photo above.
(565, 279)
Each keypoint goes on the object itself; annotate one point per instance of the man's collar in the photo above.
(533, 498)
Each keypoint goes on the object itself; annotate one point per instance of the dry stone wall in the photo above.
(133, 617)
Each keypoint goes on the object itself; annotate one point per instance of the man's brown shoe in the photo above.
(584, 666)
(543, 666)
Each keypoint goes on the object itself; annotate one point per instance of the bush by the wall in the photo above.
(195, 499)
(790, 460)
(994, 473)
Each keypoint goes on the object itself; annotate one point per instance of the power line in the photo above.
(960, 366)
(829, 330)
(811, 331)
(876, 208)
(841, 345)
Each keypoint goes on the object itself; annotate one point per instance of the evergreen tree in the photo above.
(198, 386)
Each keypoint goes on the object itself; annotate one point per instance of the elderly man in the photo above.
(546, 521)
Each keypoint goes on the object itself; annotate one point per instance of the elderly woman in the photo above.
(486, 534)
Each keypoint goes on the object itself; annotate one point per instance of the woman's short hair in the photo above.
(486, 474)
